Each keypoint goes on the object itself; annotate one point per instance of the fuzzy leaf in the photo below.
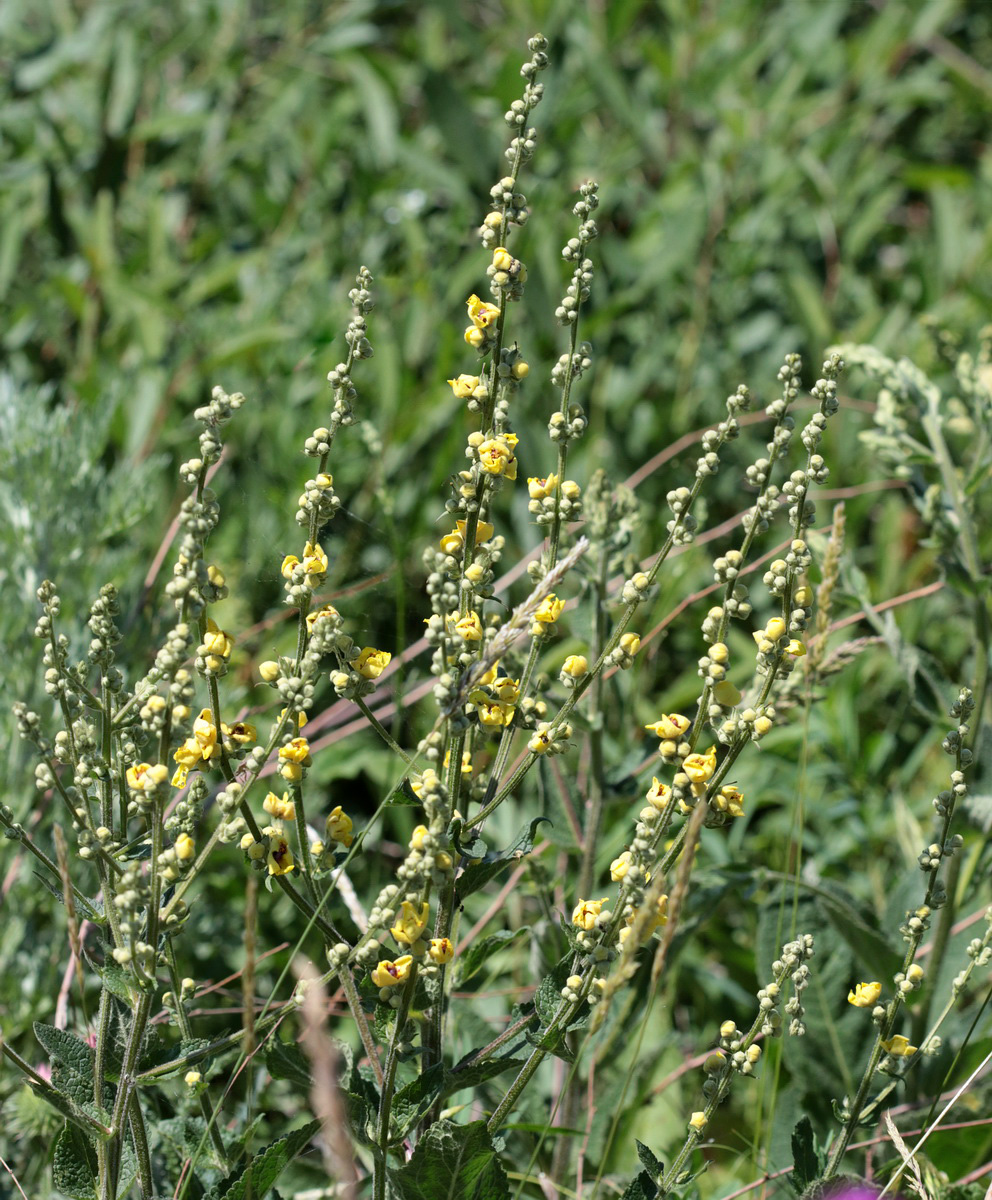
(286, 1060)
(641, 1187)
(265, 1168)
(478, 952)
(805, 1160)
(477, 875)
(453, 1162)
(415, 1099)
(74, 1165)
(459, 1079)
(654, 1167)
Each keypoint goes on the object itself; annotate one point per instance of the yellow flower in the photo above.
(469, 627)
(452, 542)
(493, 715)
(410, 926)
(279, 858)
(542, 740)
(314, 559)
(728, 799)
(187, 756)
(698, 1121)
(483, 530)
(541, 489)
(669, 726)
(496, 456)
(192, 1078)
(241, 733)
(417, 837)
(502, 259)
(205, 734)
(389, 974)
(795, 648)
(288, 563)
(466, 767)
(216, 641)
(490, 675)
(726, 694)
(576, 665)
(507, 689)
(464, 385)
(865, 995)
(481, 313)
(475, 337)
(185, 847)
(324, 481)
(775, 629)
(313, 617)
(282, 808)
(898, 1047)
(586, 912)
(700, 767)
(549, 610)
(442, 950)
(296, 750)
(268, 671)
(630, 643)
(658, 795)
(371, 662)
(139, 777)
(620, 866)
(339, 826)
(520, 369)
(301, 717)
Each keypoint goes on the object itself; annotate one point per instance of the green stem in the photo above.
(388, 1083)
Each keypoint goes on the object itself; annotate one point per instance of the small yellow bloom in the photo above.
(475, 337)
(466, 761)
(658, 795)
(241, 733)
(442, 950)
(542, 740)
(549, 610)
(729, 800)
(301, 717)
(313, 617)
(483, 530)
(339, 826)
(185, 847)
(280, 807)
(493, 715)
(576, 665)
(496, 456)
(314, 559)
(324, 481)
(452, 543)
(296, 750)
(502, 259)
(410, 925)
(205, 734)
(417, 837)
(700, 767)
(507, 689)
(726, 694)
(389, 974)
(469, 627)
(669, 727)
(775, 629)
(215, 576)
(192, 1078)
(899, 1047)
(371, 662)
(137, 776)
(480, 312)
(464, 385)
(915, 973)
(698, 1121)
(216, 641)
(268, 671)
(279, 858)
(865, 995)
(586, 912)
(620, 866)
(288, 563)
(541, 489)
(795, 648)
(520, 369)
(630, 643)
(317, 849)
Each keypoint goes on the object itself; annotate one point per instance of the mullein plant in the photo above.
(136, 766)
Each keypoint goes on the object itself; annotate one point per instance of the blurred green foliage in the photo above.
(186, 191)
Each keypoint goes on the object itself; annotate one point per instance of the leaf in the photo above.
(495, 862)
(805, 1161)
(74, 1165)
(73, 1063)
(453, 1162)
(265, 1168)
(861, 934)
(654, 1167)
(415, 1099)
(83, 906)
(286, 1060)
(641, 1187)
(458, 1079)
(477, 953)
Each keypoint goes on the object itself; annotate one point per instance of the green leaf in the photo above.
(286, 1060)
(471, 1076)
(453, 1162)
(74, 1164)
(495, 862)
(83, 906)
(477, 953)
(654, 1167)
(265, 1168)
(415, 1099)
(862, 935)
(805, 1160)
(641, 1187)
(73, 1063)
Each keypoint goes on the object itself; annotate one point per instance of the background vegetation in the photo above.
(186, 191)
